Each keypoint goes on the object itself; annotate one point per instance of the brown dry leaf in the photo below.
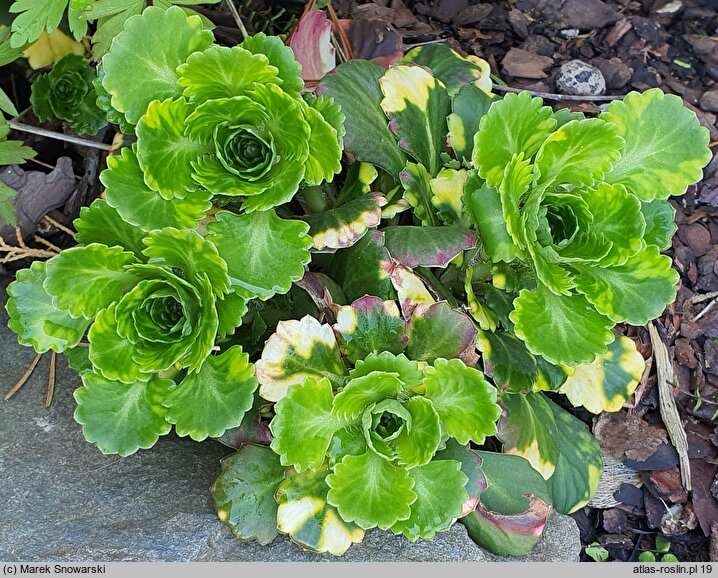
(37, 194)
(525, 64)
(625, 434)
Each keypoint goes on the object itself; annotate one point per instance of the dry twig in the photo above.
(555, 96)
(669, 411)
(15, 388)
(50, 380)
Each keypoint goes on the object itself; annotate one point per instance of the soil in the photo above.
(636, 44)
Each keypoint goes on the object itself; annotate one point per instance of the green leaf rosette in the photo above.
(211, 118)
(67, 92)
(574, 203)
(362, 423)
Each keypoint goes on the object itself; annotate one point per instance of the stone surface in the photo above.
(709, 101)
(577, 77)
(62, 500)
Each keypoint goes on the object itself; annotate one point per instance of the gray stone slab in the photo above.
(62, 500)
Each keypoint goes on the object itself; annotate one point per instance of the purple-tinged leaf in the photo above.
(508, 534)
(427, 246)
(439, 331)
(252, 430)
(311, 42)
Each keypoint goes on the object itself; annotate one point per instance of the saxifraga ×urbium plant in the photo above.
(459, 221)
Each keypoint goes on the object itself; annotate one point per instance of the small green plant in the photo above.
(596, 552)
(35, 16)
(67, 92)
(363, 404)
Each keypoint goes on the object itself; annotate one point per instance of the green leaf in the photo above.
(661, 225)
(126, 191)
(165, 152)
(513, 510)
(190, 252)
(408, 371)
(563, 329)
(635, 292)
(83, 280)
(7, 207)
(599, 554)
(510, 478)
(518, 176)
(8, 53)
(515, 124)
(440, 491)
(34, 318)
(468, 107)
(529, 430)
(447, 189)
(100, 223)
(579, 467)
(665, 149)
(33, 18)
(210, 401)
(416, 181)
(506, 359)
(121, 418)
(417, 106)
(464, 400)
(485, 210)
(304, 424)
(224, 72)
(347, 441)
(452, 69)
(110, 27)
(417, 446)
(230, 310)
(325, 146)
(309, 520)
(363, 391)
(364, 268)
(370, 492)
(344, 225)
(354, 85)
(296, 351)
(110, 354)
(608, 382)
(151, 46)
(439, 331)
(244, 493)
(617, 216)
(280, 56)
(14, 152)
(578, 153)
(41, 98)
(471, 466)
(264, 253)
(369, 325)
(427, 246)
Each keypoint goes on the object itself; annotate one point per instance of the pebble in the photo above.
(578, 78)
(709, 101)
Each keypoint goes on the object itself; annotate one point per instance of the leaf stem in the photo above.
(436, 286)
(18, 126)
